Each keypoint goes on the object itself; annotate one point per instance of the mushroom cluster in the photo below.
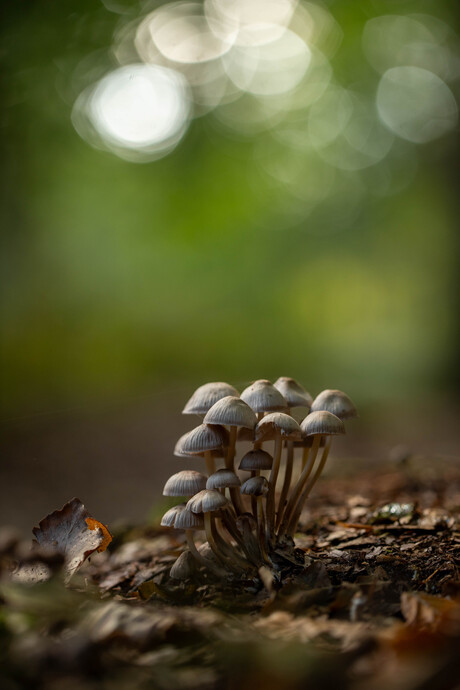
(247, 517)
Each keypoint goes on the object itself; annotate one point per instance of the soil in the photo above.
(369, 595)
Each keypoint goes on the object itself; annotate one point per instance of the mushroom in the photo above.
(254, 461)
(275, 425)
(207, 502)
(316, 424)
(185, 483)
(295, 396)
(184, 567)
(257, 487)
(202, 440)
(223, 479)
(336, 402)
(169, 517)
(190, 522)
(234, 413)
(205, 396)
(262, 396)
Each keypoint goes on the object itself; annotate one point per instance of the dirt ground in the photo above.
(368, 597)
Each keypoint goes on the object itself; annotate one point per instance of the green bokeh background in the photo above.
(121, 277)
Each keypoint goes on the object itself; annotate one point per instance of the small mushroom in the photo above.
(207, 502)
(169, 517)
(262, 396)
(205, 396)
(256, 460)
(185, 483)
(191, 522)
(257, 487)
(184, 567)
(336, 402)
(295, 396)
(202, 441)
(234, 413)
(223, 479)
(277, 426)
(316, 424)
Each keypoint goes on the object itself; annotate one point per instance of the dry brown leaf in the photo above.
(74, 533)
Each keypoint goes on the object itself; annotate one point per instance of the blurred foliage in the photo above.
(120, 277)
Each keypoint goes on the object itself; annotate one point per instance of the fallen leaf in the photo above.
(74, 533)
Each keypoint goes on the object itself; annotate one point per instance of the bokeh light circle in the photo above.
(136, 109)
(416, 104)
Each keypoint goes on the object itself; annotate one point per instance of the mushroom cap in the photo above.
(262, 396)
(185, 483)
(323, 423)
(255, 486)
(294, 394)
(185, 519)
(277, 422)
(169, 517)
(256, 459)
(201, 439)
(205, 396)
(231, 411)
(223, 478)
(184, 567)
(207, 501)
(336, 402)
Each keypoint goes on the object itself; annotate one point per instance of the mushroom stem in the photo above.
(231, 449)
(258, 444)
(286, 482)
(232, 557)
(254, 473)
(291, 505)
(261, 529)
(210, 537)
(272, 486)
(210, 463)
(230, 525)
(229, 464)
(294, 520)
(198, 557)
(305, 457)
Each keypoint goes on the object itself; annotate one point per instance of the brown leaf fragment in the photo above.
(74, 533)
(431, 612)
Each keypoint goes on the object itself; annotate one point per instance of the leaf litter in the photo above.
(368, 595)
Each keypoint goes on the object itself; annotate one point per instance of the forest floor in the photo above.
(370, 597)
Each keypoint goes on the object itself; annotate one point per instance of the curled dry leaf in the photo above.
(74, 533)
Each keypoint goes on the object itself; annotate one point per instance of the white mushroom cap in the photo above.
(262, 396)
(256, 459)
(169, 517)
(201, 439)
(222, 479)
(185, 483)
(188, 520)
(322, 423)
(231, 411)
(336, 402)
(207, 501)
(278, 422)
(255, 486)
(205, 396)
(294, 394)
